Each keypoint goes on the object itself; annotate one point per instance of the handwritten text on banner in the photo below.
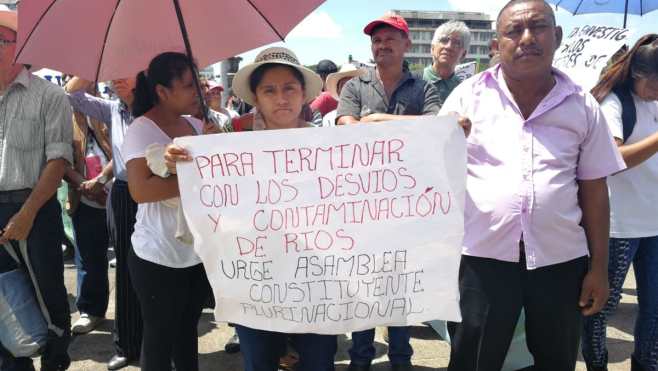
(329, 230)
(586, 50)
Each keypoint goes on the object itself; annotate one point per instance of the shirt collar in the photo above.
(371, 75)
(23, 78)
(564, 87)
(429, 73)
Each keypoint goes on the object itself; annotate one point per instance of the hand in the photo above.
(594, 293)
(210, 128)
(18, 227)
(374, 117)
(173, 154)
(91, 187)
(466, 124)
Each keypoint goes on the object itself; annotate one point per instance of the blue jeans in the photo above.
(92, 240)
(362, 351)
(262, 349)
(643, 253)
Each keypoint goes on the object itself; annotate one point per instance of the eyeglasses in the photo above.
(4, 42)
(445, 40)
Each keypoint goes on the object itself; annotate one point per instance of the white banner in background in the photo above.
(585, 51)
(466, 70)
(329, 230)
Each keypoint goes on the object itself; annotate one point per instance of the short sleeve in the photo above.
(599, 155)
(98, 108)
(612, 110)
(432, 102)
(57, 115)
(139, 135)
(349, 103)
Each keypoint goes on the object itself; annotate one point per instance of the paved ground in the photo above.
(91, 352)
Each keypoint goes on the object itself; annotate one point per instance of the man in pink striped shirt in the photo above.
(539, 153)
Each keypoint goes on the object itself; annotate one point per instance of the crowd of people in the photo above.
(560, 193)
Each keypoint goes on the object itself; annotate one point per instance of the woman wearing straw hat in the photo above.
(334, 84)
(277, 86)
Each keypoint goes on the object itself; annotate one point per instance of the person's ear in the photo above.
(495, 45)
(558, 37)
(161, 92)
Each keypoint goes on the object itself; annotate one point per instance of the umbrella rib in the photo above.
(107, 33)
(265, 19)
(33, 29)
(578, 7)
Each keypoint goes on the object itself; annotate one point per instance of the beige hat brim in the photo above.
(9, 20)
(334, 78)
(312, 81)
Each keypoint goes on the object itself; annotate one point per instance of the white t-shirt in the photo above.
(155, 226)
(634, 192)
(329, 120)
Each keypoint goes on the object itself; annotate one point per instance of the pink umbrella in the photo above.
(102, 40)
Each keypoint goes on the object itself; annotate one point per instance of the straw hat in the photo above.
(346, 70)
(275, 55)
(9, 19)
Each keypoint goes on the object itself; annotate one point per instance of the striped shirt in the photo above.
(35, 127)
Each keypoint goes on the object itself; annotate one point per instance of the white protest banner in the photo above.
(329, 230)
(466, 70)
(586, 50)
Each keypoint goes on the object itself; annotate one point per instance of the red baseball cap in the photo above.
(393, 20)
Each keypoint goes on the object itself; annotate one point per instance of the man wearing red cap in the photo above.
(386, 92)
(389, 91)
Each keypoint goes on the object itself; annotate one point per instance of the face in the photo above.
(214, 98)
(527, 40)
(181, 97)
(279, 98)
(646, 89)
(124, 88)
(448, 50)
(388, 46)
(7, 50)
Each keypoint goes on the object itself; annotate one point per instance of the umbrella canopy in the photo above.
(107, 39)
(625, 7)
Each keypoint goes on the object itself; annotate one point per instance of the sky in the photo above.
(335, 29)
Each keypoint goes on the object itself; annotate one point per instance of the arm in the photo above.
(346, 120)
(379, 117)
(432, 102)
(146, 187)
(638, 152)
(349, 104)
(93, 188)
(593, 200)
(98, 108)
(73, 177)
(75, 84)
(20, 225)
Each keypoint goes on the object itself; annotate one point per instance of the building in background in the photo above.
(422, 25)
(10, 4)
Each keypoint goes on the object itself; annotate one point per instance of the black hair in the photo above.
(641, 61)
(257, 75)
(514, 2)
(163, 70)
